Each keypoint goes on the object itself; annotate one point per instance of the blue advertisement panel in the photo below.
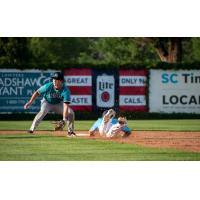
(16, 88)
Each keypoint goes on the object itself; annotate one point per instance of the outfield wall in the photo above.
(93, 90)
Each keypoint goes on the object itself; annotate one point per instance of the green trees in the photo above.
(168, 49)
(104, 50)
(14, 51)
(195, 49)
(57, 50)
(109, 50)
(117, 51)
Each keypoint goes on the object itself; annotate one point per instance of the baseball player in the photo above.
(56, 98)
(109, 126)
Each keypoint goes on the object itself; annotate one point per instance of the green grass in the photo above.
(48, 148)
(53, 148)
(165, 125)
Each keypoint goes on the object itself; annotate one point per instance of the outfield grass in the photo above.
(48, 148)
(162, 125)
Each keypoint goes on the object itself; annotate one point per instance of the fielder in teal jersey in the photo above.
(56, 98)
(53, 96)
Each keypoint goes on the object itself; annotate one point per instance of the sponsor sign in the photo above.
(16, 88)
(78, 100)
(132, 100)
(132, 90)
(174, 91)
(79, 82)
(132, 81)
(105, 90)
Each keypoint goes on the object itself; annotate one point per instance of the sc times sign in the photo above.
(167, 78)
(185, 78)
(16, 88)
(174, 91)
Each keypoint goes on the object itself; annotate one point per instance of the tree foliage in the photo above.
(117, 51)
(57, 50)
(195, 49)
(14, 51)
(104, 50)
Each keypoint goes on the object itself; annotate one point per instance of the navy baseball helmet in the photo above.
(58, 76)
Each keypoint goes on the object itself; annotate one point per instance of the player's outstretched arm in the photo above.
(29, 103)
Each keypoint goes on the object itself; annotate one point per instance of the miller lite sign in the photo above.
(105, 95)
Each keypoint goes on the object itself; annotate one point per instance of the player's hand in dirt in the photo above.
(126, 134)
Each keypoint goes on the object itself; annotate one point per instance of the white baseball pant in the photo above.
(57, 108)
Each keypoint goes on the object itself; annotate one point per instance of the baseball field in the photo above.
(162, 140)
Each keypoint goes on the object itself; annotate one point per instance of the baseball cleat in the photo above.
(71, 134)
(92, 133)
(109, 115)
(30, 131)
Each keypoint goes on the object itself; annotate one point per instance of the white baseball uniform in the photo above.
(108, 129)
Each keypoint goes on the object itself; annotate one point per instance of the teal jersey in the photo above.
(53, 96)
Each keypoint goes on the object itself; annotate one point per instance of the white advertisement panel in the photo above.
(78, 80)
(135, 100)
(105, 90)
(83, 100)
(132, 81)
(175, 91)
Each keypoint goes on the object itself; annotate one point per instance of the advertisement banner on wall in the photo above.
(79, 82)
(174, 91)
(132, 90)
(91, 89)
(105, 91)
(105, 84)
(16, 88)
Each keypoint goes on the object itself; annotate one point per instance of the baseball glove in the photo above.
(59, 125)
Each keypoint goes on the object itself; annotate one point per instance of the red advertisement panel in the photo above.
(132, 90)
(79, 81)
